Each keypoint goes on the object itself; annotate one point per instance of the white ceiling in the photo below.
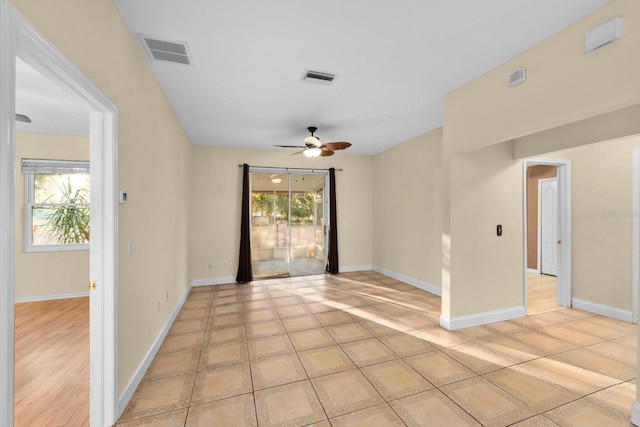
(394, 62)
(49, 107)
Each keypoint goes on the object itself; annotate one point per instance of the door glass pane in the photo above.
(287, 226)
(269, 225)
(307, 256)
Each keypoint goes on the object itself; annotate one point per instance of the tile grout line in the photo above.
(202, 345)
(467, 340)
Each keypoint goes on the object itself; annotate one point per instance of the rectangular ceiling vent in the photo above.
(517, 77)
(164, 50)
(318, 77)
(603, 35)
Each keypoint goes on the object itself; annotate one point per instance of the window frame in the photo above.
(47, 167)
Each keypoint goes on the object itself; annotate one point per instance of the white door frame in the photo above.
(564, 226)
(19, 38)
(635, 233)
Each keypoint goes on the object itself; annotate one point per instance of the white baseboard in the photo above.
(603, 310)
(227, 280)
(482, 318)
(635, 414)
(353, 268)
(212, 281)
(533, 270)
(126, 395)
(52, 297)
(433, 289)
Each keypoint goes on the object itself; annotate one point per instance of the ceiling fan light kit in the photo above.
(275, 178)
(314, 148)
(312, 152)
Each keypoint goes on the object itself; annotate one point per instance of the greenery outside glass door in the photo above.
(288, 230)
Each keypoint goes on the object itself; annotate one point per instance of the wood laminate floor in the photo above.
(52, 363)
(541, 293)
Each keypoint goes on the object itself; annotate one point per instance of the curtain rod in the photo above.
(293, 169)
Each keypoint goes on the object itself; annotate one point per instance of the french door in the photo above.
(288, 222)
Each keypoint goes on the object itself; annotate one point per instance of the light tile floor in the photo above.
(362, 349)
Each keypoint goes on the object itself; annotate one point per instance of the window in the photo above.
(57, 195)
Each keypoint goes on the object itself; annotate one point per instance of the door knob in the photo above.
(559, 242)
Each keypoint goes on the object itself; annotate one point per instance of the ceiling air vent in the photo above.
(517, 77)
(164, 50)
(318, 77)
(603, 35)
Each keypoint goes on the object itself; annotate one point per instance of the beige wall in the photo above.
(605, 127)
(486, 270)
(534, 174)
(154, 166)
(564, 84)
(407, 208)
(601, 222)
(214, 213)
(41, 274)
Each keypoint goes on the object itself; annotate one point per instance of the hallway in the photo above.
(541, 293)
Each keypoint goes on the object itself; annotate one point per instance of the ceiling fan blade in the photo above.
(337, 145)
(290, 146)
(23, 118)
(298, 152)
(326, 152)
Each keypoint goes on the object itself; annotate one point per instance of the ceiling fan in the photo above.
(314, 148)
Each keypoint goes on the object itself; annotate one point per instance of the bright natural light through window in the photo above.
(57, 195)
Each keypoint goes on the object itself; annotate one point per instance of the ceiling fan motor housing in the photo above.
(312, 141)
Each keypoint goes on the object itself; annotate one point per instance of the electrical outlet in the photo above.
(210, 266)
(224, 263)
(348, 253)
(130, 247)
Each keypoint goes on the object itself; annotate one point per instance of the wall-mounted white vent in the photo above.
(318, 77)
(164, 50)
(603, 35)
(517, 77)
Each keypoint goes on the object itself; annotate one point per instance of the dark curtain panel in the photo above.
(244, 265)
(332, 256)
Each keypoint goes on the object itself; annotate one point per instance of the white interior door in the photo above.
(548, 196)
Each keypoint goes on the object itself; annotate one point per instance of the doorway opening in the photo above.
(288, 222)
(547, 234)
(20, 39)
(52, 256)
